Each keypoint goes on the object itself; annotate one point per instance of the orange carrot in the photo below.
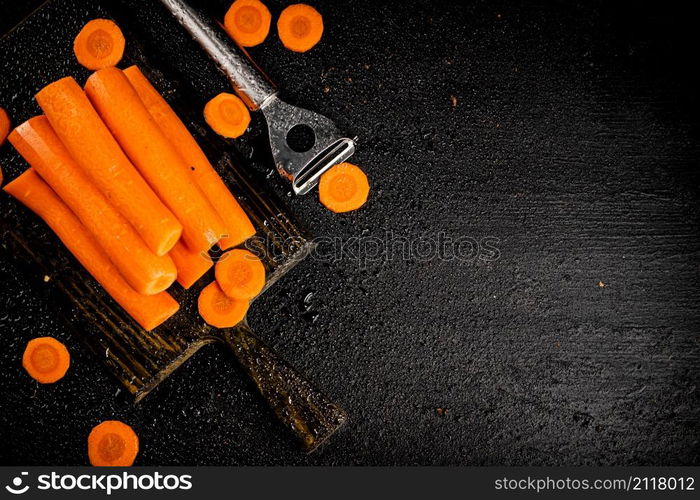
(4, 125)
(190, 265)
(219, 310)
(99, 44)
(248, 22)
(92, 146)
(240, 274)
(343, 187)
(147, 273)
(300, 27)
(227, 115)
(46, 360)
(237, 224)
(153, 155)
(148, 310)
(112, 444)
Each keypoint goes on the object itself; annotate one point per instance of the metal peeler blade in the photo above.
(302, 169)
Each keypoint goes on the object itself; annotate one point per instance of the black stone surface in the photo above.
(562, 134)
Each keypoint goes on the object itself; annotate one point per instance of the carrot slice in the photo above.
(343, 187)
(99, 44)
(227, 115)
(218, 309)
(112, 444)
(146, 272)
(4, 125)
(237, 224)
(190, 265)
(148, 310)
(92, 146)
(300, 27)
(150, 151)
(248, 22)
(240, 274)
(46, 360)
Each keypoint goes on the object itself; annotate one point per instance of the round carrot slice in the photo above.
(99, 44)
(240, 274)
(113, 444)
(227, 115)
(300, 27)
(4, 125)
(248, 22)
(343, 188)
(218, 309)
(46, 360)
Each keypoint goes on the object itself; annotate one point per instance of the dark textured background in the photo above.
(573, 141)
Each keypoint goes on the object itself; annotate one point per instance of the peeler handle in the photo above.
(309, 414)
(248, 80)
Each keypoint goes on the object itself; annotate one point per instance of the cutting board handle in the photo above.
(310, 415)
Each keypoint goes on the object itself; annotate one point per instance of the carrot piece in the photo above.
(248, 22)
(190, 265)
(99, 44)
(153, 155)
(343, 187)
(300, 27)
(4, 125)
(227, 115)
(218, 309)
(237, 224)
(46, 360)
(148, 310)
(112, 444)
(92, 146)
(146, 272)
(240, 274)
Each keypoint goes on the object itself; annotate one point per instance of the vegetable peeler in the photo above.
(302, 168)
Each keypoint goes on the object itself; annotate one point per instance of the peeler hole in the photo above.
(301, 138)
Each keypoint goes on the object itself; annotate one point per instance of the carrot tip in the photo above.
(46, 360)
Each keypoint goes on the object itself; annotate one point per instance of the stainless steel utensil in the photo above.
(302, 169)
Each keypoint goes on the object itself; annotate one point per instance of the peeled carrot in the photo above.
(146, 272)
(153, 155)
(99, 44)
(92, 146)
(112, 444)
(240, 274)
(4, 125)
(190, 265)
(227, 115)
(300, 27)
(237, 224)
(218, 309)
(248, 22)
(46, 360)
(343, 187)
(148, 310)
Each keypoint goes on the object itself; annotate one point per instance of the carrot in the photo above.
(227, 115)
(237, 224)
(146, 272)
(92, 146)
(112, 444)
(219, 310)
(99, 44)
(4, 125)
(240, 274)
(153, 155)
(46, 360)
(190, 265)
(343, 187)
(248, 22)
(148, 310)
(300, 27)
